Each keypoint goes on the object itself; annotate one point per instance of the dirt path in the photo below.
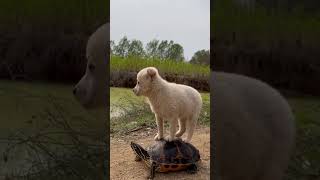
(123, 166)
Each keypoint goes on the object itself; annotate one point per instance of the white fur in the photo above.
(176, 103)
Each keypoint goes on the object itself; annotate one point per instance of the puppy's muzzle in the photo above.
(135, 91)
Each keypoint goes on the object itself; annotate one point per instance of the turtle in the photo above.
(168, 156)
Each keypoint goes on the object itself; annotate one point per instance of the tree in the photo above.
(152, 48)
(136, 48)
(175, 52)
(112, 46)
(201, 57)
(122, 48)
(163, 49)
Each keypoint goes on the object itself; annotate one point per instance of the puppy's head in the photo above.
(145, 80)
(91, 90)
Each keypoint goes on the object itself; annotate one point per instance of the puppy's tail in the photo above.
(194, 119)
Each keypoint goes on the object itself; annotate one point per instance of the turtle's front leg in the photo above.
(152, 170)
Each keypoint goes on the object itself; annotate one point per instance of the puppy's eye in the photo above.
(92, 67)
(138, 82)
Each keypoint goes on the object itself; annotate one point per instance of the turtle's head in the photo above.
(140, 151)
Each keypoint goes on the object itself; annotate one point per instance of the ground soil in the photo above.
(123, 166)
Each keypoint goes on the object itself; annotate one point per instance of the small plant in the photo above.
(57, 149)
(128, 115)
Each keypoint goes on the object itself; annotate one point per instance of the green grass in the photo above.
(42, 122)
(164, 66)
(22, 102)
(137, 113)
(118, 94)
(305, 163)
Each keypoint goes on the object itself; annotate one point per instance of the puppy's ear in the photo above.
(152, 72)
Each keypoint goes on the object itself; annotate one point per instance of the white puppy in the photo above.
(169, 101)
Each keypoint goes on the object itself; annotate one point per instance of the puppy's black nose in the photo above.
(74, 91)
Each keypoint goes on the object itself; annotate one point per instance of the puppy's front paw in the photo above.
(157, 137)
(169, 138)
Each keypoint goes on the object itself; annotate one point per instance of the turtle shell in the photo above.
(176, 152)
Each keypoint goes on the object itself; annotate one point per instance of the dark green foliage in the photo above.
(122, 48)
(136, 49)
(152, 48)
(155, 49)
(164, 50)
(262, 27)
(275, 45)
(46, 40)
(72, 13)
(175, 52)
(127, 48)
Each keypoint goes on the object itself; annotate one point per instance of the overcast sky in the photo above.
(186, 22)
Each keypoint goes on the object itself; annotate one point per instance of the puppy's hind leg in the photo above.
(182, 127)
(191, 124)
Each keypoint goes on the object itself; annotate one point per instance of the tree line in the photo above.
(156, 49)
